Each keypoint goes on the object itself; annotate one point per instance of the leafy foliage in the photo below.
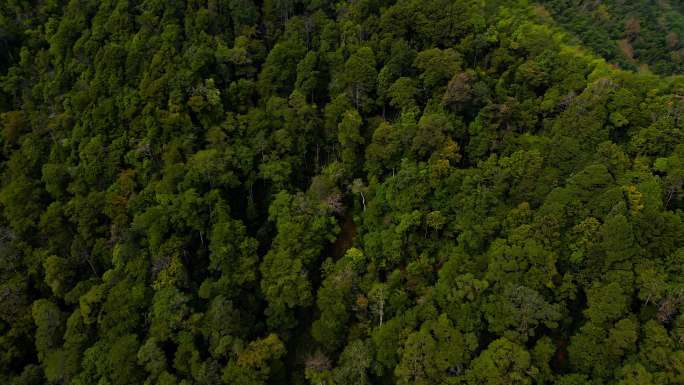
(366, 192)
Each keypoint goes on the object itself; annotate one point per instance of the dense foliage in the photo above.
(309, 192)
(635, 34)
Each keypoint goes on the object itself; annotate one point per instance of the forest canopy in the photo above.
(643, 35)
(474, 192)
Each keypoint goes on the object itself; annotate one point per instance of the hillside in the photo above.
(635, 34)
(311, 192)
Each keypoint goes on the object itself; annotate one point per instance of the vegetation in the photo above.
(635, 34)
(312, 192)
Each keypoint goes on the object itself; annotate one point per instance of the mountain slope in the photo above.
(633, 34)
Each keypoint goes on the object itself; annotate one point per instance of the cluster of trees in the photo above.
(636, 34)
(311, 192)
